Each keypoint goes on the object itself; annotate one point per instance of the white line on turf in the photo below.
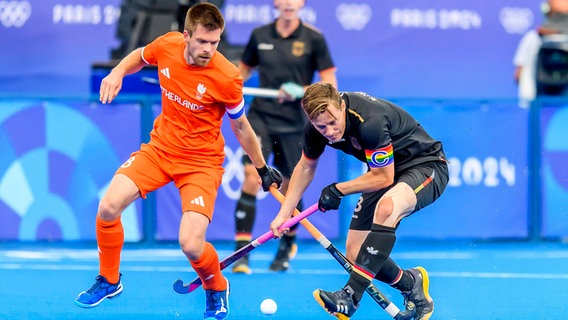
(313, 272)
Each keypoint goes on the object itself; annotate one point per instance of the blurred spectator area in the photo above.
(552, 59)
(141, 21)
(552, 66)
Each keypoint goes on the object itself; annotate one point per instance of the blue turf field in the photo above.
(468, 281)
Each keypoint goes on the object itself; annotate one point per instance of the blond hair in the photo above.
(318, 97)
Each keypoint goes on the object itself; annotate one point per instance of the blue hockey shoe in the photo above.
(98, 292)
(217, 304)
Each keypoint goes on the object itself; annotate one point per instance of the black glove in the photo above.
(269, 175)
(330, 198)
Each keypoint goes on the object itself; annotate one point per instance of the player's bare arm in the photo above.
(268, 176)
(246, 71)
(328, 76)
(301, 178)
(373, 180)
(112, 83)
(247, 139)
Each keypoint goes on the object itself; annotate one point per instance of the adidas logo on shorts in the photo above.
(198, 201)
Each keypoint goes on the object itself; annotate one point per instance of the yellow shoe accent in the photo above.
(426, 286)
(242, 268)
(293, 251)
(339, 316)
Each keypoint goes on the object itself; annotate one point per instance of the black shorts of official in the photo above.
(286, 148)
(417, 177)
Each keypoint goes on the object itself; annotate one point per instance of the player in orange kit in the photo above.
(198, 85)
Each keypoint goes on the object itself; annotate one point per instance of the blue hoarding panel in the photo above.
(57, 159)
(553, 170)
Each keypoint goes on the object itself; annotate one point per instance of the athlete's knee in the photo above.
(109, 210)
(385, 209)
(191, 247)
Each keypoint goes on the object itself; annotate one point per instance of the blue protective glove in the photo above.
(292, 89)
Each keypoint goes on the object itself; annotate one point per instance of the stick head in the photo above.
(180, 288)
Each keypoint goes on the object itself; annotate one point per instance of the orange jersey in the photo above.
(194, 99)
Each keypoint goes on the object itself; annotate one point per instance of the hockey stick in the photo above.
(182, 288)
(261, 92)
(378, 296)
(247, 91)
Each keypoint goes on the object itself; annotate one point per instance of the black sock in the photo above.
(405, 283)
(374, 251)
(288, 239)
(392, 274)
(245, 214)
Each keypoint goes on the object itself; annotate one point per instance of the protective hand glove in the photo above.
(330, 198)
(269, 175)
(292, 89)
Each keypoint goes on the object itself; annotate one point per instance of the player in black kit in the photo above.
(287, 53)
(406, 172)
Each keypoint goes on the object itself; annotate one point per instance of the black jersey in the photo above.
(280, 60)
(374, 123)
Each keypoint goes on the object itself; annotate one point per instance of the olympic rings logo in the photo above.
(14, 13)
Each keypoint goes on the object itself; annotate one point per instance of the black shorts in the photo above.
(416, 177)
(286, 148)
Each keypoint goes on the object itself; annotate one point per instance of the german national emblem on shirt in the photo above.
(381, 157)
(298, 48)
(200, 90)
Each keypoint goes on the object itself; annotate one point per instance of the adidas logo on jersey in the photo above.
(198, 201)
(166, 72)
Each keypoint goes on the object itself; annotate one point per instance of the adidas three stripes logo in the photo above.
(198, 201)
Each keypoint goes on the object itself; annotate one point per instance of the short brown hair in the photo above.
(318, 97)
(205, 14)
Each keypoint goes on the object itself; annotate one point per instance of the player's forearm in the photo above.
(245, 70)
(130, 64)
(248, 141)
(368, 182)
(328, 76)
(301, 178)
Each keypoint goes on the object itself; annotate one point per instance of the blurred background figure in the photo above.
(141, 21)
(287, 54)
(542, 55)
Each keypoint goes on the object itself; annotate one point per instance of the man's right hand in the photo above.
(110, 86)
(290, 91)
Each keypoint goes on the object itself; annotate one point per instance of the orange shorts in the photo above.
(197, 180)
